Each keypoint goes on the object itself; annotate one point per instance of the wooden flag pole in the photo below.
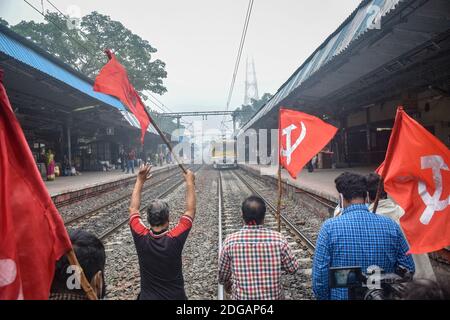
(279, 175)
(377, 197)
(84, 281)
(163, 137)
(280, 189)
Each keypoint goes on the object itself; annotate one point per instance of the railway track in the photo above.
(108, 218)
(118, 201)
(322, 207)
(232, 189)
(72, 197)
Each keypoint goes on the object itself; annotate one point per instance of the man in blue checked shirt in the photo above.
(357, 237)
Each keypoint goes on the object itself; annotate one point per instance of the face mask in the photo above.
(341, 201)
(367, 199)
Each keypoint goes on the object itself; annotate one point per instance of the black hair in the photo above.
(373, 180)
(253, 209)
(157, 213)
(90, 254)
(351, 185)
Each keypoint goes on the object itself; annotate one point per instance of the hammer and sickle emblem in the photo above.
(433, 202)
(291, 148)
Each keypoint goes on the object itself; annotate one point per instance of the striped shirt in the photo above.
(253, 259)
(360, 238)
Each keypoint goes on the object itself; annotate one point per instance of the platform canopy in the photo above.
(48, 90)
(377, 44)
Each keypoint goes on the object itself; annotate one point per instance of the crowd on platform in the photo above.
(253, 259)
(127, 161)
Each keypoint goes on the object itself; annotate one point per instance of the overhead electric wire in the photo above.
(60, 28)
(238, 57)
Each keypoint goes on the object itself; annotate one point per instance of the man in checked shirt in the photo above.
(252, 259)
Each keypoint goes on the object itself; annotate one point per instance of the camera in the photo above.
(374, 285)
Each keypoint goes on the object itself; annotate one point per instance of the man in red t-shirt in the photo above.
(158, 247)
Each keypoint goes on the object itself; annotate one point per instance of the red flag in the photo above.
(32, 233)
(113, 80)
(301, 136)
(416, 175)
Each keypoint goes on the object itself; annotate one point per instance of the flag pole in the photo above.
(377, 197)
(163, 137)
(84, 281)
(280, 189)
(279, 174)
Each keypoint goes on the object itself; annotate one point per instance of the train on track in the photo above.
(223, 154)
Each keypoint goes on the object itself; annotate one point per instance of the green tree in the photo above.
(4, 22)
(246, 112)
(82, 47)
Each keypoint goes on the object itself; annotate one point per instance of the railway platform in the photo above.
(64, 189)
(320, 182)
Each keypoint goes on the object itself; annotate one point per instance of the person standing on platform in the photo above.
(66, 166)
(357, 237)
(159, 248)
(130, 161)
(123, 160)
(50, 165)
(389, 208)
(161, 159)
(252, 259)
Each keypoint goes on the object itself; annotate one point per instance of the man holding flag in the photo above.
(32, 233)
(416, 175)
(357, 237)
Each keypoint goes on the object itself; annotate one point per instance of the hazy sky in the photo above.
(198, 40)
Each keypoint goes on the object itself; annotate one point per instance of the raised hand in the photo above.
(144, 172)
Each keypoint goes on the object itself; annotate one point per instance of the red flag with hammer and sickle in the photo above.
(32, 233)
(113, 80)
(301, 137)
(416, 175)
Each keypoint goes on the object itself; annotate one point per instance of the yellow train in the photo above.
(223, 154)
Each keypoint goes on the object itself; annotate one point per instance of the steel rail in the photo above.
(109, 231)
(114, 202)
(220, 289)
(300, 234)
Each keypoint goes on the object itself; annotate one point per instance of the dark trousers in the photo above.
(310, 166)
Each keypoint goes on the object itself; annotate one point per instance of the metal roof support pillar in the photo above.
(345, 140)
(368, 136)
(69, 142)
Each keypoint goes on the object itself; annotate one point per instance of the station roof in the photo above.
(376, 33)
(35, 73)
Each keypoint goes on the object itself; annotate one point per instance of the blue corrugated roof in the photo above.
(24, 51)
(367, 16)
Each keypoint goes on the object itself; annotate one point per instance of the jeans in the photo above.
(130, 164)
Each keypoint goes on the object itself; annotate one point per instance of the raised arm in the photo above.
(143, 175)
(190, 194)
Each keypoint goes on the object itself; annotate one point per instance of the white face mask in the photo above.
(341, 201)
(367, 199)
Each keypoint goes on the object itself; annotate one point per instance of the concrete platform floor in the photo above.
(320, 182)
(89, 179)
